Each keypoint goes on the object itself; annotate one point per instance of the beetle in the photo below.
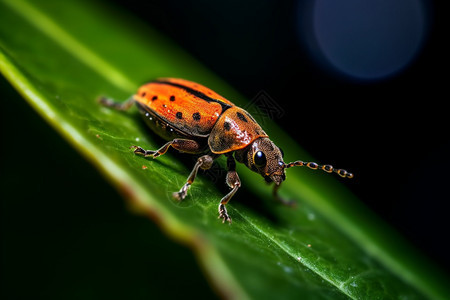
(194, 119)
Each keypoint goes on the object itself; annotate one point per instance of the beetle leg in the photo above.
(116, 105)
(151, 153)
(204, 162)
(183, 145)
(280, 199)
(234, 183)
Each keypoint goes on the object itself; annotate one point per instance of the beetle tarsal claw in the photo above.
(181, 194)
(146, 153)
(223, 214)
(177, 196)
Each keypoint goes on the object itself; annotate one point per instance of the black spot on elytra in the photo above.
(250, 116)
(172, 98)
(179, 115)
(143, 94)
(241, 117)
(154, 98)
(223, 142)
(196, 116)
(227, 126)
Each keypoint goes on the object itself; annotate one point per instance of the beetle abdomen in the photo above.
(160, 126)
(183, 105)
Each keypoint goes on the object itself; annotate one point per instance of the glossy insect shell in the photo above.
(191, 110)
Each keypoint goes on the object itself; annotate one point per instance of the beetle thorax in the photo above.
(235, 129)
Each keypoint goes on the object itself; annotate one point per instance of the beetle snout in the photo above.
(278, 178)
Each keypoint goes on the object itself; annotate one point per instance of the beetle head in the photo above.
(264, 157)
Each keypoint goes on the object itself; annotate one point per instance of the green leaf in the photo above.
(329, 247)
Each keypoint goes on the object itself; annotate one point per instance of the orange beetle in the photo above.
(195, 119)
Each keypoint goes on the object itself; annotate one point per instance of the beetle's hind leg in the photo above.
(204, 162)
(183, 145)
(108, 102)
(151, 153)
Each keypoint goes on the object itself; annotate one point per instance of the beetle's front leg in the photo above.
(280, 199)
(204, 162)
(234, 183)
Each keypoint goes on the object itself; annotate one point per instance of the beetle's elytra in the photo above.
(197, 120)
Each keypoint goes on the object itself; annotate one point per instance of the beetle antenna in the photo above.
(314, 166)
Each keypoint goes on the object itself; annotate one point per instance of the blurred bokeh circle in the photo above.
(367, 40)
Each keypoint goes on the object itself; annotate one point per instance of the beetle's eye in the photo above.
(259, 159)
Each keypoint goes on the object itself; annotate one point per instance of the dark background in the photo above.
(389, 132)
